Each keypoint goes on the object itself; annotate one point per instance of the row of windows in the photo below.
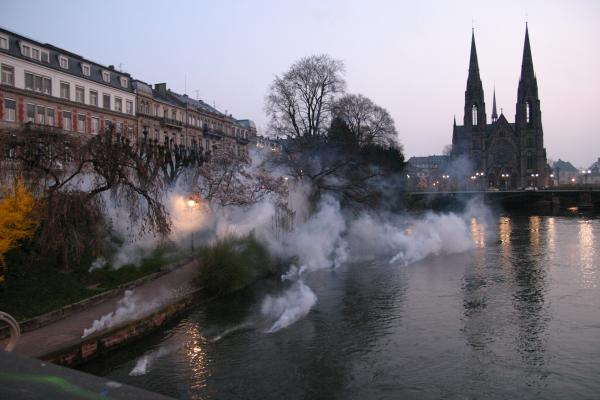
(39, 54)
(42, 115)
(43, 84)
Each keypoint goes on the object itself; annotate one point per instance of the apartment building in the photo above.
(48, 86)
(169, 118)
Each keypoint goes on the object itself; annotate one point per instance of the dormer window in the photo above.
(86, 69)
(106, 76)
(4, 42)
(26, 50)
(45, 57)
(63, 62)
(124, 82)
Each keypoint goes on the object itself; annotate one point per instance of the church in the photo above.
(502, 154)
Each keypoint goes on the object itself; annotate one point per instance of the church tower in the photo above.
(528, 120)
(474, 117)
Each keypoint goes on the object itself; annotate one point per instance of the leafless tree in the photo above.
(70, 172)
(300, 102)
(229, 179)
(367, 122)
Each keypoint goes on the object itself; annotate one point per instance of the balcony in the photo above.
(173, 123)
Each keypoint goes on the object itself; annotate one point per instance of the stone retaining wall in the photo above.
(101, 343)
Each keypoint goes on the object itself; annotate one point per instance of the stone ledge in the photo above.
(101, 343)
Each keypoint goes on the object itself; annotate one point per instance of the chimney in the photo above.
(111, 67)
(161, 88)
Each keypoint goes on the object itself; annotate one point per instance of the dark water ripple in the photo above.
(517, 317)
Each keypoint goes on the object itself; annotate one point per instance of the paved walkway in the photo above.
(55, 336)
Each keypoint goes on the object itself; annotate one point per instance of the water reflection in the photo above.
(195, 355)
(587, 254)
(477, 233)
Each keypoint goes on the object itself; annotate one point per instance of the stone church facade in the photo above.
(502, 154)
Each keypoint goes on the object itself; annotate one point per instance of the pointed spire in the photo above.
(527, 63)
(473, 64)
(494, 112)
(455, 120)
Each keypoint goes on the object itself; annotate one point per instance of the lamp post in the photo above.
(534, 179)
(505, 177)
(191, 204)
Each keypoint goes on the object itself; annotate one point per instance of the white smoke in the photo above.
(289, 307)
(143, 364)
(129, 308)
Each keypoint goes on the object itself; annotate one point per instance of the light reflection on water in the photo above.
(589, 258)
(516, 317)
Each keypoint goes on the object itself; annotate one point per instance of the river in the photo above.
(516, 317)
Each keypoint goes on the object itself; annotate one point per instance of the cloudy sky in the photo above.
(408, 56)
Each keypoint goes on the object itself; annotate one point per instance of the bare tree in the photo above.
(300, 102)
(228, 179)
(367, 122)
(70, 172)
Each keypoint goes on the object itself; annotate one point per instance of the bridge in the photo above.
(583, 198)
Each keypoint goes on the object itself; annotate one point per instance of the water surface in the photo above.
(517, 317)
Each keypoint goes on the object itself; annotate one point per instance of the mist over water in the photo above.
(513, 316)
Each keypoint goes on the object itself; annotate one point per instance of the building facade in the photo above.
(53, 88)
(506, 155)
(47, 86)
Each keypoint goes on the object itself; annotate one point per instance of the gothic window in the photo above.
(529, 141)
(529, 160)
(474, 115)
(527, 112)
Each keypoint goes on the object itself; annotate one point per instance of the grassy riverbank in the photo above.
(34, 290)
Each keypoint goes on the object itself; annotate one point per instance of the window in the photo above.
(527, 112)
(8, 75)
(156, 135)
(156, 110)
(65, 90)
(119, 128)
(474, 115)
(529, 160)
(108, 124)
(106, 76)
(106, 101)
(45, 57)
(93, 98)
(46, 86)
(79, 94)
(30, 113)
(35, 53)
(3, 42)
(10, 110)
(124, 82)
(95, 125)
(85, 69)
(130, 133)
(67, 123)
(81, 123)
(118, 104)
(26, 50)
(50, 116)
(63, 61)
(129, 107)
(40, 115)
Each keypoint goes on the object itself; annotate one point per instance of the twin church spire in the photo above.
(474, 96)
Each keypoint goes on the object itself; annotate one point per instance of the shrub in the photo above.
(233, 263)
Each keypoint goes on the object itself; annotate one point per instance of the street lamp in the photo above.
(191, 204)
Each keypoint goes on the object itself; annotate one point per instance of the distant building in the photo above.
(564, 173)
(502, 149)
(427, 172)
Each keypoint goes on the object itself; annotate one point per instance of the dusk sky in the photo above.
(409, 57)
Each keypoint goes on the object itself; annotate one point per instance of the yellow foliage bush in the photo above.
(16, 221)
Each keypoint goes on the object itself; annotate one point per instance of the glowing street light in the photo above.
(191, 204)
